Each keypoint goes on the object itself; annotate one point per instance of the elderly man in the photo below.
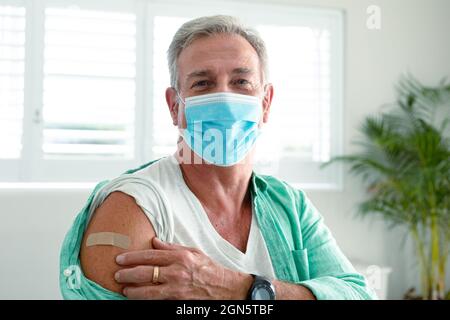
(200, 224)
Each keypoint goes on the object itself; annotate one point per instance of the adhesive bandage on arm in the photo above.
(108, 239)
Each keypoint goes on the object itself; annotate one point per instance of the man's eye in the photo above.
(202, 83)
(242, 82)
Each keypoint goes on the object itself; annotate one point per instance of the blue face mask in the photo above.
(222, 128)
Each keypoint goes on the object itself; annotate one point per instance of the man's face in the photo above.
(219, 63)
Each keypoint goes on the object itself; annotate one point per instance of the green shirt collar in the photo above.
(257, 183)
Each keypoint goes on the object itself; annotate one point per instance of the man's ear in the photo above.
(173, 104)
(267, 102)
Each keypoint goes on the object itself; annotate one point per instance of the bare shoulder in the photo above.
(119, 213)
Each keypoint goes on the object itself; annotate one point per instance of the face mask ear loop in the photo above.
(264, 97)
(180, 99)
(265, 92)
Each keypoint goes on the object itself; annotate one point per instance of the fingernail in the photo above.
(117, 276)
(120, 259)
(124, 291)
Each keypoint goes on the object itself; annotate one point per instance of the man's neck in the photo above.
(219, 187)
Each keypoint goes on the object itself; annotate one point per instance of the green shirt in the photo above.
(301, 247)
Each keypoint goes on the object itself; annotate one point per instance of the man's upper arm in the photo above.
(119, 213)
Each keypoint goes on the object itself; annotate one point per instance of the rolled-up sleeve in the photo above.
(332, 276)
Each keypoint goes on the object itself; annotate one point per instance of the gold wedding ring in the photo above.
(155, 274)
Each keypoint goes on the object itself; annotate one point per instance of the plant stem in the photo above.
(424, 271)
(434, 257)
(442, 264)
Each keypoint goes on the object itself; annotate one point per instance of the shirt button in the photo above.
(67, 272)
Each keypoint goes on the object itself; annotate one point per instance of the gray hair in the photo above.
(207, 26)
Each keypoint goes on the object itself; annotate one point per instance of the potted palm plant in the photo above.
(405, 164)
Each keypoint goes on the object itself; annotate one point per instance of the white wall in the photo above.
(33, 225)
(413, 37)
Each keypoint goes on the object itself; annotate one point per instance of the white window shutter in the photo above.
(89, 84)
(12, 68)
(299, 124)
(164, 132)
(94, 101)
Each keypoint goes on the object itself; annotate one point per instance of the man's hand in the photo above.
(184, 273)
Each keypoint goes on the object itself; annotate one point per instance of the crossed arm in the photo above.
(185, 273)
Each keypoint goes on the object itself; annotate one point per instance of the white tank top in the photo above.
(177, 216)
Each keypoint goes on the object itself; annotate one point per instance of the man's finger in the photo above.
(140, 274)
(158, 244)
(149, 256)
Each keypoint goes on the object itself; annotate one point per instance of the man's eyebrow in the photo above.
(206, 72)
(198, 73)
(202, 73)
(242, 71)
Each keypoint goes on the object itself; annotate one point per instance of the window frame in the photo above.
(32, 167)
